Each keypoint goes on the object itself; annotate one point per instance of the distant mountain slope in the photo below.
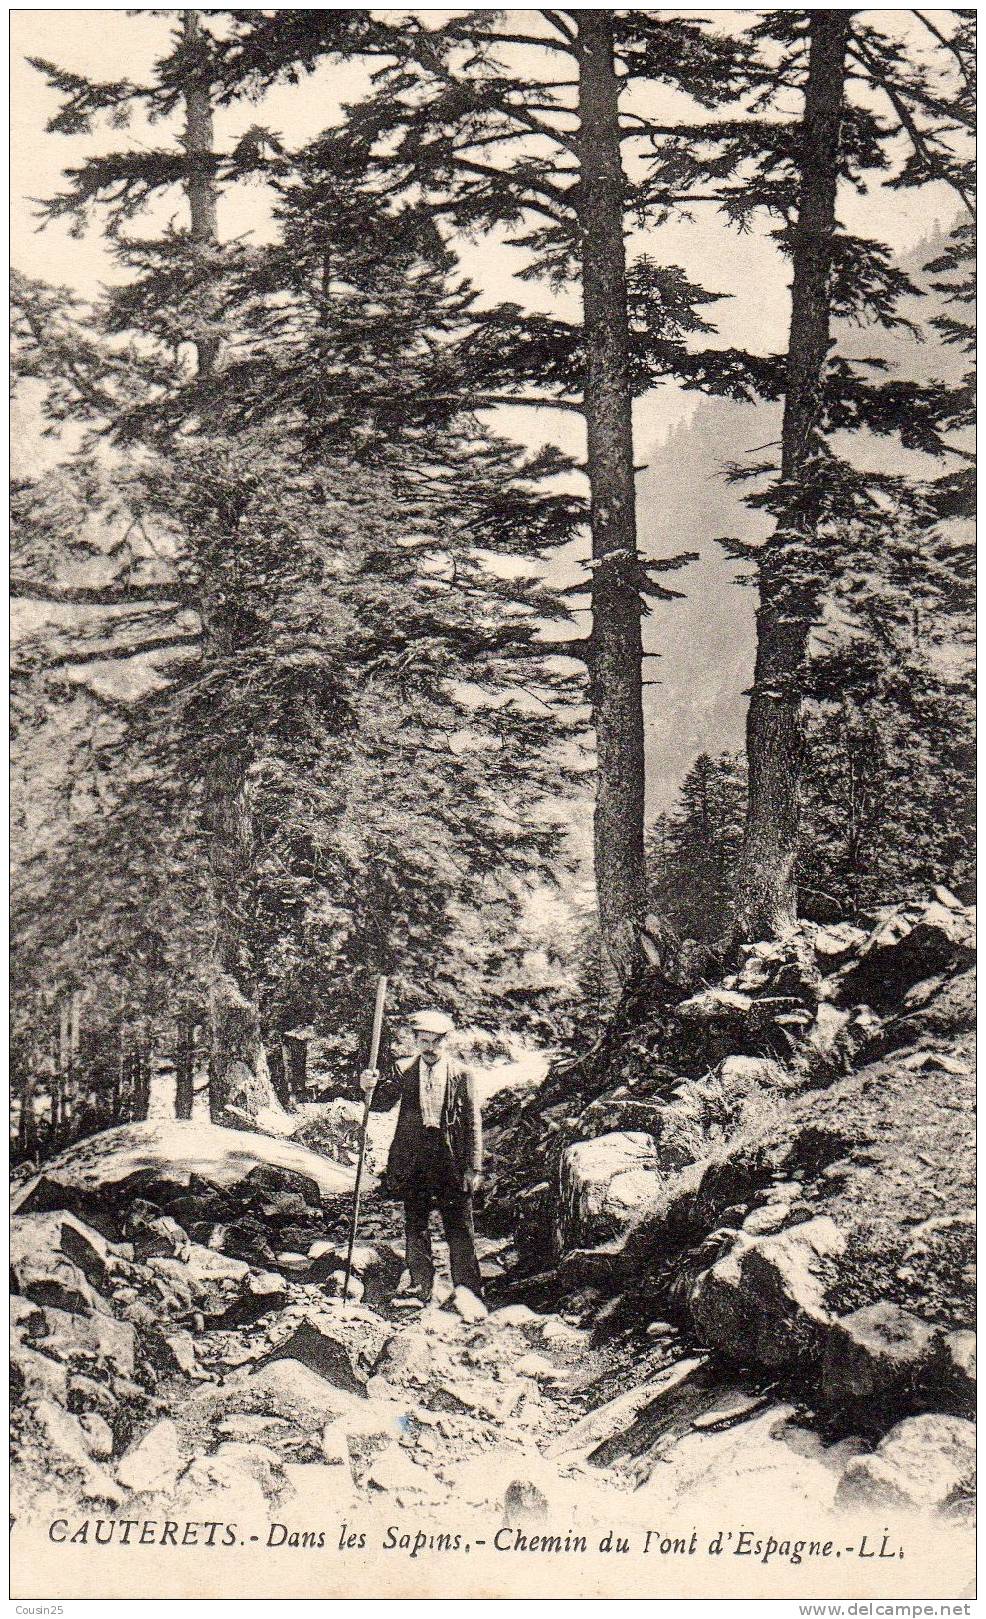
(707, 642)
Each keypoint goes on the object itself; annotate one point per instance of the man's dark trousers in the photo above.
(456, 1215)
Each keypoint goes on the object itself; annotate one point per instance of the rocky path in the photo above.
(162, 1380)
(182, 1357)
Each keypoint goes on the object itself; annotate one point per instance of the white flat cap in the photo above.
(431, 1021)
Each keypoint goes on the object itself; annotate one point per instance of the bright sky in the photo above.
(107, 44)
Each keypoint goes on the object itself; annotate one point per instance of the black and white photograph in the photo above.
(492, 784)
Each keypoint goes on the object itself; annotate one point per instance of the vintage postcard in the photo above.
(492, 985)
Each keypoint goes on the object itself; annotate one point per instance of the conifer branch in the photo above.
(936, 166)
(24, 589)
(564, 27)
(120, 651)
(949, 45)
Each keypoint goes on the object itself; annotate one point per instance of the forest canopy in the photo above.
(329, 647)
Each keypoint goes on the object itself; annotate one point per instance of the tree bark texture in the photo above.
(199, 183)
(238, 1062)
(239, 1072)
(766, 901)
(185, 1068)
(616, 640)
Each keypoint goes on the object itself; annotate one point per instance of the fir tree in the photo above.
(344, 627)
(546, 157)
(693, 850)
(744, 165)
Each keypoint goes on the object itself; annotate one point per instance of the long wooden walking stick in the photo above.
(374, 1054)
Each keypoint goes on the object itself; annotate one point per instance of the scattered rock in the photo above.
(64, 1436)
(908, 943)
(46, 1278)
(309, 1346)
(66, 1336)
(262, 1292)
(294, 1264)
(877, 1358)
(661, 1329)
(393, 1472)
(260, 1461)
(33, 1375)
(289, 1388)
(335, 1451)
(84, 1393)
(154, 1462)
(721, 1006)
(37, 1237)
(154, 1235)
(515, 1315)
(738, 1408)
(468, 1306)
(524, 1502)
(555, 1331)
(615, 1417)
(764, 1221)
(540, 1368)
(745, 1073)
(925, 1463)
(765, 1301)
(180, 1347)
(833, 946)
(229, 1484)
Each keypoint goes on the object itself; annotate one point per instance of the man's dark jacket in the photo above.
(461, 1128)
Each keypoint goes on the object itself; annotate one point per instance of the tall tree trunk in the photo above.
(240, 1076)
(142, 1077)
(616, 649)
(296, 1062)
(184, 1067)
(199, 182)
(238, 1067)
(766, 900)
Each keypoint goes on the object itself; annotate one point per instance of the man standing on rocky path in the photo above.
(436, 1157)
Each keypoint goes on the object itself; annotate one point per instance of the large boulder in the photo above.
(61, 1234)
(876, 1360)
(908, 943)
(208, 1180)
(176, 1149)
(836, 945)
(925, 1463)
(619, 1111)
(943, 1006)
(63, 1336)
(764, 1302)
(49, 1279)
(154, 1462)
(606, 1187)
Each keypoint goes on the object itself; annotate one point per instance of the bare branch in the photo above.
(24, 589)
